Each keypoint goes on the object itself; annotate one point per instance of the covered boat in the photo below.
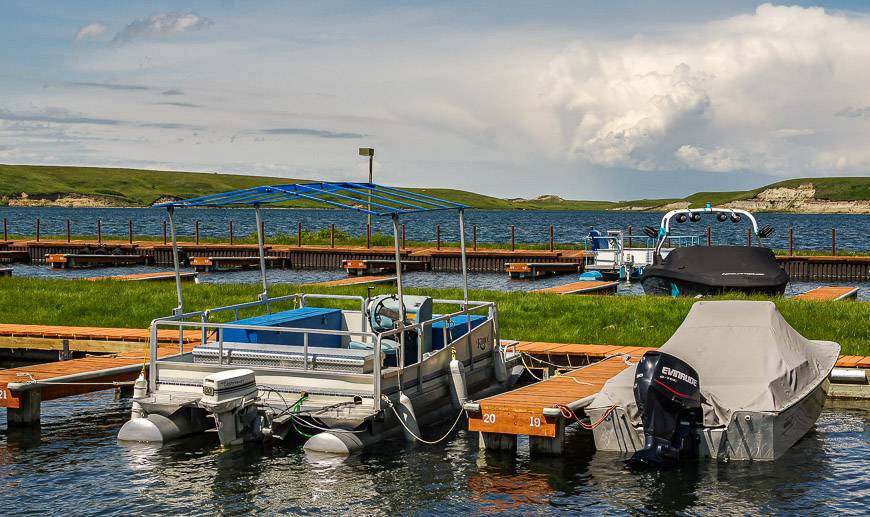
(706, 270)
(735, 381)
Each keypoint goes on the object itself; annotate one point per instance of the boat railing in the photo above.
(182, 321)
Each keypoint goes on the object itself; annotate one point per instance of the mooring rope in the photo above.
(568, 414)
(413, 434)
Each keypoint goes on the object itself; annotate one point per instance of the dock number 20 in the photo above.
(489, 418)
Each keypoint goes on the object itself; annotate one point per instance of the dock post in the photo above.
(474, 237)
(231, 232)
(833, 241)
(549, 446)
(437, 236)
(403, 235)
(368, 236)
(5, 230)
(749, 236)
(513, 238)
(629, 236)
(196, 231)
(498, 442)
(299, 234)
(37, 229)
(791, 240)
(67, 231)
(332, 236)
(709, 236)
(99, 232)
(552, 240)
(130, 231)
(29, 412)
(164, 231)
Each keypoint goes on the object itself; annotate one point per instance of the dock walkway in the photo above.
(541, 269)
(146, 277)
(356, 280)
(829, 293)
(82, 339)
(582, 287)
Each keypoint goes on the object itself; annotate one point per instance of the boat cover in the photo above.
(724, 266)
(748, 358)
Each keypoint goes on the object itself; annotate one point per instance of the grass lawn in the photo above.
(616, 320)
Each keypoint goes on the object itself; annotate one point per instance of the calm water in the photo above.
(75, 466)
(810, 231)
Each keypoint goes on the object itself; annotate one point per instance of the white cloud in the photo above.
(161, 25)
(91, 30)
(725, 96)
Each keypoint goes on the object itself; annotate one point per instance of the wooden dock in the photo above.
(829, 293)
(8, 256)
(92, 340)
(534, 410)
(583, 287)
(23, 389)
(5, 271)
(74, 260)
(217, 264)
(379, 266)
(540, 269)
(147, 277)
(356, 280)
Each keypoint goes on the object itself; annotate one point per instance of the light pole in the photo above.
(370, 152)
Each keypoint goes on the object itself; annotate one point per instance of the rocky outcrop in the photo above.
(68, 200)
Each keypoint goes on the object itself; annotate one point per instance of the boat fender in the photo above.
(405, 411)
(458, 389)
(333, 442)
(140, 390)
(498, 365)
(158, 429)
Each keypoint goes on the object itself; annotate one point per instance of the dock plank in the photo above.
(582, 287)
(355, 280)
(829, 293)
(521, 411)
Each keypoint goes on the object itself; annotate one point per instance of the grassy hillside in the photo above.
(134, 187)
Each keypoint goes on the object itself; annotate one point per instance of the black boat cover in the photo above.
(733, 267)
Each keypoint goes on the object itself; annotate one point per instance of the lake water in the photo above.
(75, 466)
(810, 231)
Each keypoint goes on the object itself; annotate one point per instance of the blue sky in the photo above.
(595, 100)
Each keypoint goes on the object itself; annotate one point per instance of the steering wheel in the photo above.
(380, 312)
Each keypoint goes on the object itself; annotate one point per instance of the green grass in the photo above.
(136, 187)
(642, 321)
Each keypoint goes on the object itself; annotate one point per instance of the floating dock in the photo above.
(356, 280)
(75, 260)
(147, 277)
(829, 293)
(379, 266)
(92, 340)
(535, 410)
(23, 389)
(583, 287)
(540, 269)
(5, 271)
(8, 256)
(216, 264)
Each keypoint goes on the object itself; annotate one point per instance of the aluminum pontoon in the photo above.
(342, 378)
(704, 270)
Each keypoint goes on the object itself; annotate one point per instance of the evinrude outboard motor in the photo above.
(667, 393)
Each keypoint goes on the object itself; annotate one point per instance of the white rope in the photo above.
(427, 442)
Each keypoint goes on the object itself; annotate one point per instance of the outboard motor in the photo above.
(667, 393)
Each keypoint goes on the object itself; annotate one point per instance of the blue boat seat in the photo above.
(319, 318)
(389, 348)
(456, 326)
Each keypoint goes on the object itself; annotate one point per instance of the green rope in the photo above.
(293, 411)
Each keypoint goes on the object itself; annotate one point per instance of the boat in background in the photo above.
(707, 270)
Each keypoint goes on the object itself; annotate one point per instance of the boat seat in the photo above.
(389, 349)
(355, 360)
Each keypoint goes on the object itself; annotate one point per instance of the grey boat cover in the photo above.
(748, 358)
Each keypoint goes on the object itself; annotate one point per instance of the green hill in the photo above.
(136, 187)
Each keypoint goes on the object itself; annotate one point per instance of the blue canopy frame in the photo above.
(378, 199)
(388, 201)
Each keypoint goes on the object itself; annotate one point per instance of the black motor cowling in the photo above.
(668, 395)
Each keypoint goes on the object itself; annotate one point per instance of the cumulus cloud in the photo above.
(91, 30)
(161, 25)
(725, 96)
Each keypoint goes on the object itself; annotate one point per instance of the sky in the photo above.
(584, 99)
